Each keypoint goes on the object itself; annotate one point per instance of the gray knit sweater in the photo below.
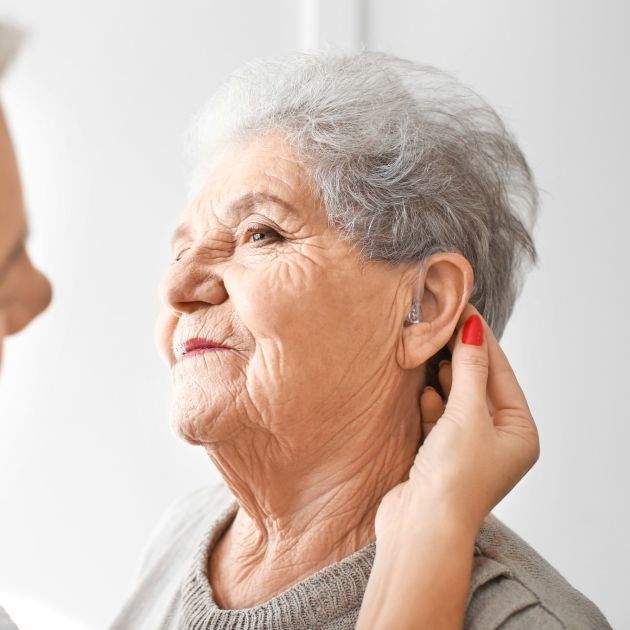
(5, 621)
(512, 587)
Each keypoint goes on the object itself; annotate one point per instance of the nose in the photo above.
(34, 297)
(44, 293)
(190, 285)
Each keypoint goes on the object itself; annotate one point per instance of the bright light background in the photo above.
(99, 101)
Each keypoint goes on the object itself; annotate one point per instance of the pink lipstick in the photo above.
(197, 345)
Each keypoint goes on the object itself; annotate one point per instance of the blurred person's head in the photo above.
(24, 291)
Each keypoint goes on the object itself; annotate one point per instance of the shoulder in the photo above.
(514, 588)
(5, 622)
(168, 553)
(184, 521)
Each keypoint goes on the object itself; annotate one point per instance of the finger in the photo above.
(432, 409)
(469, 366)
(445, 376)
(503, 389)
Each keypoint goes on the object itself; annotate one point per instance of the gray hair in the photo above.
(10, 38)
(407, 160)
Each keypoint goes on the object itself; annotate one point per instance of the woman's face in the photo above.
(311, 331)
(24, 290)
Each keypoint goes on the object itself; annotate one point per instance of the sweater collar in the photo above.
(321, 597)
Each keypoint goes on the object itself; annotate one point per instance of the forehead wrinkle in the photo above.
(198, 212)
(202, 211)
(311, 208)
(247, 203)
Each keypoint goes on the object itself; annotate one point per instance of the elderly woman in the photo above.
(344, 212)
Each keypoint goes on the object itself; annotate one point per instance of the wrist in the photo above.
(427, 517)
(429, 554)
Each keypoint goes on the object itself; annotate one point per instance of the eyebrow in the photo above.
(14, 252)
(238, 207)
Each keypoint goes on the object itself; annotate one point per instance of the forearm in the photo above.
(420, 578)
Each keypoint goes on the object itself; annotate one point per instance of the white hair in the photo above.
(408, 161)
(10, 38)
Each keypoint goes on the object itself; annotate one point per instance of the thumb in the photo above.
(470, 362)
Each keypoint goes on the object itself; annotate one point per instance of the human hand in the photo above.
(476, 448)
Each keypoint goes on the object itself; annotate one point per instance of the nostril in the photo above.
(187, 307)
(189, 287)
(173, 299)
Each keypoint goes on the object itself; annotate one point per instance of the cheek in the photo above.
(307, 320)
(283, 301)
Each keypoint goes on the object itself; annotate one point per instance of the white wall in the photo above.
(558, 74)
(99, 101)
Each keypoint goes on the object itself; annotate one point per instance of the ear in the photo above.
(448, 284)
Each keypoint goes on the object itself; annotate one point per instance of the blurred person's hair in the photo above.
(10, 38)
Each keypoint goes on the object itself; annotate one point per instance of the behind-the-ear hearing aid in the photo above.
(415, 313)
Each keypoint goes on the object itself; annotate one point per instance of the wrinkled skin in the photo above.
(314, 414)
(24, 290)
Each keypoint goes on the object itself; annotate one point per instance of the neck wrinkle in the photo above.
(300, 514)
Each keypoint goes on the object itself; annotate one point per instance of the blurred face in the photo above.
(24, 291)
(303, 326)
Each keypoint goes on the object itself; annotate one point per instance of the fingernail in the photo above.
(472, 334)
(443, 362)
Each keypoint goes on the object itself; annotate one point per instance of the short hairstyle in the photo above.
(10, 38)
(408, 161)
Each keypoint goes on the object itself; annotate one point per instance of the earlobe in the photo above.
(431, 321)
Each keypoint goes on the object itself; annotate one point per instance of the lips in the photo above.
(198, 345)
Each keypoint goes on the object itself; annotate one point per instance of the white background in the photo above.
(99, 101)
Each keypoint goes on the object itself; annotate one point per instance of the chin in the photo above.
(183, 432)
(188, 425)
(197, 425)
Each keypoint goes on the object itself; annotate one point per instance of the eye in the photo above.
(262, 233)
(179, 255)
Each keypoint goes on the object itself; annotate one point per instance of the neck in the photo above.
(303, 508)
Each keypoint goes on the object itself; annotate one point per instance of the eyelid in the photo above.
(263, 219)
(182, 247)
(252, 227)
(181, 250)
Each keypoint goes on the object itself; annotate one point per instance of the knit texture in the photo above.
(331, 592)
(5, 621)
(512, 587)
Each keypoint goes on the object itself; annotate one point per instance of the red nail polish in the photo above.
(472, 334)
